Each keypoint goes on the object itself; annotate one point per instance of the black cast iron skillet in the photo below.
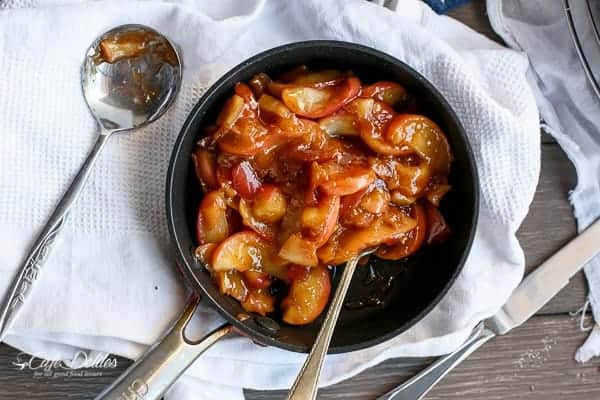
(418, 283)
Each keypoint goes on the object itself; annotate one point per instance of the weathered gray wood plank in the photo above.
(534, 362)
(18, 384)
(550, 224)
(474, 15)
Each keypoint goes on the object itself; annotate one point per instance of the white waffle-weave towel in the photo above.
(110, 284)
(567, 105)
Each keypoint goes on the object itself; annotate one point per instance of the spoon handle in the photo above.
(30, 269)
(305, 386)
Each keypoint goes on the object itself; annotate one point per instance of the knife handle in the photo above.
(419, 385)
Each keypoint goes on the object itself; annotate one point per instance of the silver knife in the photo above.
(536, 290)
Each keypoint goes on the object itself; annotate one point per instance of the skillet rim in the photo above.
(190, 272)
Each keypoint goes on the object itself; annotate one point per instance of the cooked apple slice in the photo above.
(405, 175)
(246, 137)
(205, 165)
(319, 151)
(232, 284)
(317, 103)
(231, 111)
(249, 219)
(244, 180)
(435, 194)
(342, 123)
(269, 204)
(411, 241)
(361, 208)
(301, 76)
(318, 222)
(319, 78)
(242, 251)
(345, 244)
(203, 253)
(299, 250)
(374, 118)
(271, 108)
(257, 279)
(438, 230)
(350, 202)
(277, 267)
(391, 93)
(212, 225)
(342, 180)
(322, 78)
(424, 137)
(400, 199)
(259, 301)
(244, 91)
(307, 297)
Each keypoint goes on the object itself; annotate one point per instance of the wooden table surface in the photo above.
(533, 362)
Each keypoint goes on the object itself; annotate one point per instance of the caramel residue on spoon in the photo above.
(242, 317)
(134, 43)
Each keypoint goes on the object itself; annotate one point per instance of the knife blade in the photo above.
(540, 286)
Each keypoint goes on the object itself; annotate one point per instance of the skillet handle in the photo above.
(160, 366)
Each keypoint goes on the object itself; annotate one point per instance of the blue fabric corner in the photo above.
(441, 6)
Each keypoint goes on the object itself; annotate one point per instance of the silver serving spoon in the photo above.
(305, 386)
(130, 76)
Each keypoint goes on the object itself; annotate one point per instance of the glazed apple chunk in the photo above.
(302, 173)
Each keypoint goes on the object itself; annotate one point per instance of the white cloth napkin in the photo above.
(110, 284)
(568, 107)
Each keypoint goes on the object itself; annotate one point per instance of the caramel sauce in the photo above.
(382, 285)
(134, 43)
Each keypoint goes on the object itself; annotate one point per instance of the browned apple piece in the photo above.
(342, 123)
(203, 253)
(113, 50)
(345, 244)
(307, 297)
(242, 251)
(212, 225)
(232, 284)
(322, 78)
(424, 137)
(311, 102)
(342, 180)
(265, 230)
(231, 112)
(411, 241)
(257, 278)
(277, 267)
(391, 93)
(299, 250)
(435, 194)
(318, 222)
(259, 301)
(205, 164)
(270, 204)
(271, 108)
(409, 177)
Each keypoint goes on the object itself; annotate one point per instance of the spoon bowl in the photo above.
(130, 76)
